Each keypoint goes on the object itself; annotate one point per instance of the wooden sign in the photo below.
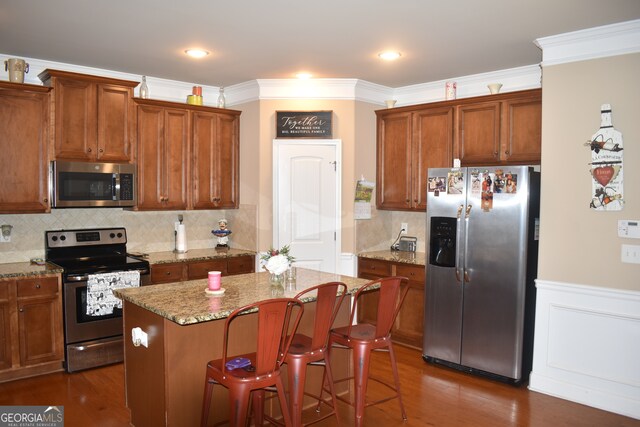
(300, 124)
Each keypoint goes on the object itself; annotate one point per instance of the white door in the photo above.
(307, 201)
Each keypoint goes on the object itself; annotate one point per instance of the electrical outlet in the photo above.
(404, 227)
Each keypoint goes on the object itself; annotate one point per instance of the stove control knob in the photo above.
(112, 235)
(119, 235)
(54, 238)
(63, 237)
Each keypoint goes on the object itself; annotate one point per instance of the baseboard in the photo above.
(587, 346)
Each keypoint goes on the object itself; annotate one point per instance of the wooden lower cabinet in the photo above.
(408, 326)
(193, 270)
(31, 340)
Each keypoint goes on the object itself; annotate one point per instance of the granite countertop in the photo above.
(417, 258)
(187, 303)
(26, 269)
(194, 255)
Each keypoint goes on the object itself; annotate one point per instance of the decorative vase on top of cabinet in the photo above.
(92, 116)
(24, 142)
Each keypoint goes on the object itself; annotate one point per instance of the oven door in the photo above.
(78, 326)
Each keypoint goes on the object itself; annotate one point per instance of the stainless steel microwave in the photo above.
(85, 184)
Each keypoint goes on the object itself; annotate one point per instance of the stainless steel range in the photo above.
(91, 339)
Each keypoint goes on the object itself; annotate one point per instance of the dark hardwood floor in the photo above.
(433, 396)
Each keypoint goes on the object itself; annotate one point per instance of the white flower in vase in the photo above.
(277, 264)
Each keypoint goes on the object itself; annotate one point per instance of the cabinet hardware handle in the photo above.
(45, 200)
(495, 153)
(101, 150)
(37, 285)
(88, 150)
(506, 152)
(407, 200)
(168, 273)
(21, 310)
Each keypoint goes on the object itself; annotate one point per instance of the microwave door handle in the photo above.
(115, 193)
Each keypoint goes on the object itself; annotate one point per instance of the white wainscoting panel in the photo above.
(347, 265)
(587, 346)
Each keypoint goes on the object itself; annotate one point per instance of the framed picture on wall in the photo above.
(304, 124)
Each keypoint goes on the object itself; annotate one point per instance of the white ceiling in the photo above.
(253, 39)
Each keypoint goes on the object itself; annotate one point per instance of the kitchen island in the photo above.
(184, 326)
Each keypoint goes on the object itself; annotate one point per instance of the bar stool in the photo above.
(277, 322)
(312, 350)
(364, 338)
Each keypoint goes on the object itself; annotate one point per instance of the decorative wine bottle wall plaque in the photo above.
(606, 165)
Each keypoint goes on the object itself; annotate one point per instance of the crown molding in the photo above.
(512, 79)
(592, 43)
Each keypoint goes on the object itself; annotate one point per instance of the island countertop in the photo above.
(186, 302)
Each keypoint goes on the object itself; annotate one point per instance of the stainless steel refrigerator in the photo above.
(482, 252)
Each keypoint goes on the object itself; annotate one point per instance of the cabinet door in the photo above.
(432, 146)
(478, 134)
(203, 158)
(24, 137)
(214, 172)
(227, 155)
(176, 144)
(393, 177)
(6, 339)
(371, 269)
(150, 141)
(522, 138)
(162, 157)
(114, 123)
(39, 320)
(75, 119)
(409, 323)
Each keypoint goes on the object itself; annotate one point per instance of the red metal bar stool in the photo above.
(364, 338)
(277, 322)
(312, 350)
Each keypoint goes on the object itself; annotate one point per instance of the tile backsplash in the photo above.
(146, 231)
(379, 232)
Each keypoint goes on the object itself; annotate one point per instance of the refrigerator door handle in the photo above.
(458, 268)
(466, 277)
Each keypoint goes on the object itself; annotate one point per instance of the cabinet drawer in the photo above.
(37, 287)
(374, 267)
(164, 273)
(200, 269)
(415, 273)
(240, 265)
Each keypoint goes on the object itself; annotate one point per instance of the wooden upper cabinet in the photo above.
(162, 157)
(215, 151)
(24, 141)
(432, 145)
(92, 116)
(393, 177)
(409, 143)
(504, 131)
(522, 132)
(478, 134)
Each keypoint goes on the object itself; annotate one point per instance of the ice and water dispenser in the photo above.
(442, 241)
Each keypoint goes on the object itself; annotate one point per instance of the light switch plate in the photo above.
(630, 254)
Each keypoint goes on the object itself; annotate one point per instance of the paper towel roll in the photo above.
(181, 238)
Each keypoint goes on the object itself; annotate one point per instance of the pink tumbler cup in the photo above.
(214, 280)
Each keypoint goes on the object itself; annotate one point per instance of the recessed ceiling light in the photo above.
(303, 76)
(196, 53)
(389, 55)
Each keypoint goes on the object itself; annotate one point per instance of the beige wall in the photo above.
(353, 123)
(577, 244)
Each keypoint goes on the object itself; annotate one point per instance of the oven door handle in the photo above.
(85, 277)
